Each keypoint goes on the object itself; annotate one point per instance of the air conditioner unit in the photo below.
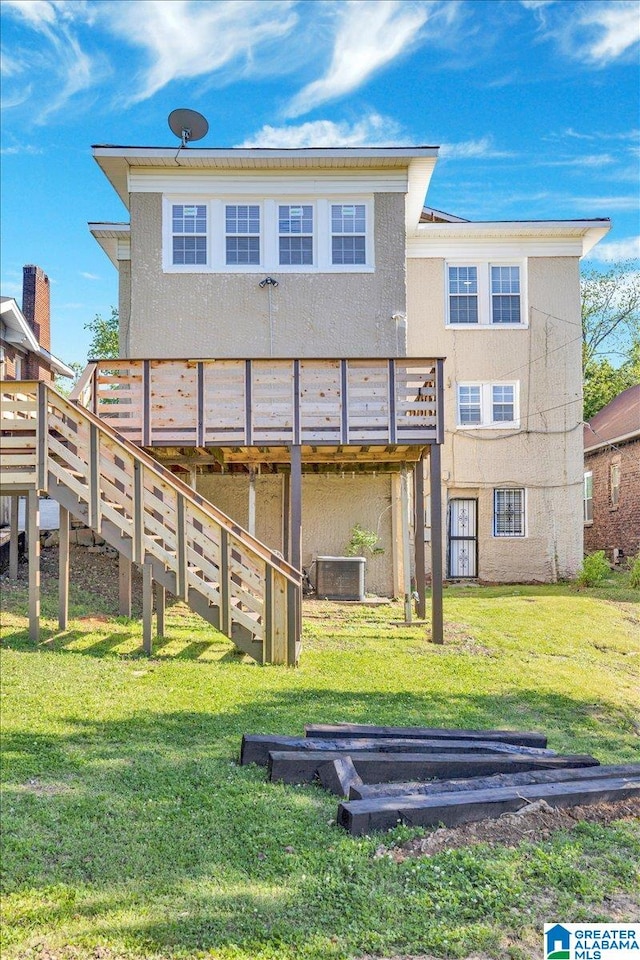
(340, 578)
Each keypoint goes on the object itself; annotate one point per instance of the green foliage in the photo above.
(104, 339)
(595, 568)
(603, 381)
(634, 573)
(63, 385)
(363, 542)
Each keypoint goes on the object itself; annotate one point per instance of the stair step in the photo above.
(114, 506)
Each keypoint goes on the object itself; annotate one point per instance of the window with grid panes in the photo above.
(505, 294)
(242, 234)
(295, 234)
(502, 403)
(508, 513)
(463, 294)
(588, 497)
(469, 404)
(348, 233)
(189, 233)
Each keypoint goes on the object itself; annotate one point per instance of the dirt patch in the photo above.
(42, 789)
(534, 823)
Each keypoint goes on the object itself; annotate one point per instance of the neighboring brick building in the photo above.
(25, 335)
(612, 478)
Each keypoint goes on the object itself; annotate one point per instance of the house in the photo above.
(612, 478)
(244, 256)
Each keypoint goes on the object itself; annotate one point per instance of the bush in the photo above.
(595, 568)
(363, 542)
(634, 573)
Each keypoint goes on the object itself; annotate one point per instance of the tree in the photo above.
(104, 340)
(610, 330)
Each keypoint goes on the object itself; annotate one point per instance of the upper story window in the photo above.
(189, 234)
(295, 234)
(348, 233)
(588, 497)
(251, 234)
(509, 513)
(242, 233)
(491, 405)
(485, 294)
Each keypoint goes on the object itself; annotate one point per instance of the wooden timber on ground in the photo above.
(302, 766)
(374, 791)
(331, 730)
(339, 776)
(256, 747)
(364, 816)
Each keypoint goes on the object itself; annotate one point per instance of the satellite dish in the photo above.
(188, 125)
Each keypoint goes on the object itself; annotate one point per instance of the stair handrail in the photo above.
(225, 522)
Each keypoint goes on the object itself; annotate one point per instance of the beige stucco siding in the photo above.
(227, 314)
(331, 505)
(545, 455)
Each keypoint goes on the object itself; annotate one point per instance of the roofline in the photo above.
(9, 304)
(624, 438)
(469, 224)
(227, 153)
(591, 231)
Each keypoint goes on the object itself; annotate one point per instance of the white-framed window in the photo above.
(278, 233)
(509, 517)
(614, 483)
(348, 233)
(17, 367)
(295, 234)
(485, 295)
(588, 497)
(189, 234)
(242, 234)
(494, 405)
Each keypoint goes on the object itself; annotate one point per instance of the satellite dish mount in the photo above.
(188, 125)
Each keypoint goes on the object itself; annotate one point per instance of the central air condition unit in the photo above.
(340, 578)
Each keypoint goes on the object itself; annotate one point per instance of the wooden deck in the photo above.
(321, 405)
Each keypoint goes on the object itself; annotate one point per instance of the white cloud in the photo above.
(369, 34)
(20, 148)
(373, 130)
(615, 250)
(472, 150)
(186, 39)
(596, 32)
(591, 160)
(603, 204)
(89, 276)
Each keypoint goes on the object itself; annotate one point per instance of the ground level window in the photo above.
(509, 513)
(588, 497)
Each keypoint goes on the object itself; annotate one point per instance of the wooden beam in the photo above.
(161, 604)
(406, 546)
(34, 564)
(124, 585)
(147, 608)
(63, 570)
(286, 516)
(525, 738)
(437, 619)
(419, 541)
(251, 521)
(14, 538)
(296, 507)
(396, 536)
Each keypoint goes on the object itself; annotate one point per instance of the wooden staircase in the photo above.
(150, 516)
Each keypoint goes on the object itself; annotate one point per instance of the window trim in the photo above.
(269, 233)
(189, 267)
(485, 293)
(523, 514)
(289, 236)
(486, 405)
(259, 234)
(586, 519)
(615, 467)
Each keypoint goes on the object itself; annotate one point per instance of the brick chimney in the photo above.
(36, 303)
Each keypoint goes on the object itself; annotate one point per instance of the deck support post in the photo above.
(14, 538)
(63, 570)
(396, 535)
(406, 545)
(33, 513)
(286, 516)
(437, 621)
(296, 506)
(251, 524)
(124, 585)
(147, 608)
(161, 604)
(418, 509)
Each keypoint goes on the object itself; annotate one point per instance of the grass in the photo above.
(130, 832)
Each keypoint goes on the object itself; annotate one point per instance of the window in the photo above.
(189, 233)
(17, 368)
(508, 513)
(242, 234)
(295, 232)
(485, 294)
(588, 497)
(614, 484)
(493, 405)
(348, 233)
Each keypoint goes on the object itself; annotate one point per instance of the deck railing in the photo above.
(262, 402)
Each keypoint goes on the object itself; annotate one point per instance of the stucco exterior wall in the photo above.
(331, 505)
(227, 314)
(124, 306)
(545, 455)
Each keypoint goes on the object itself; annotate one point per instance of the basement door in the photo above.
(462, 548)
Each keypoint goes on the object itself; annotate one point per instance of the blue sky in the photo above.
(535, 104)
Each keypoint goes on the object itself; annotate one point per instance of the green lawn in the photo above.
(130, 832)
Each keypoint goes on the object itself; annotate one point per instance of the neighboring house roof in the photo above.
(19, 333)
(431, 215)
(618, 421)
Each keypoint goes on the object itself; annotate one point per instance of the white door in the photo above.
(463, 539)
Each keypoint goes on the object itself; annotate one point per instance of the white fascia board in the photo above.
(552, 238)
(624, 438)
(419, 178)
(266, 183)
(60, 368)
(14, 320)
(114, 238)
